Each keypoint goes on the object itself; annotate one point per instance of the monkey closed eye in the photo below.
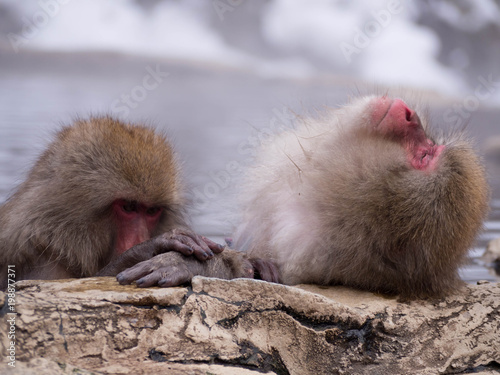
(179, 240)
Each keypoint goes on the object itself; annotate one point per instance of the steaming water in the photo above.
(416, 43)
(213, 116)
(246, 67)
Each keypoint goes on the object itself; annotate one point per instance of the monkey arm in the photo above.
(180, 240)
(172, 269)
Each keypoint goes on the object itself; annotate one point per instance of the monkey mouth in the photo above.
(396, 121)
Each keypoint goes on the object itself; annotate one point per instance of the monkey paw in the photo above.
(164, 270)
(186, 242)
(182, 241)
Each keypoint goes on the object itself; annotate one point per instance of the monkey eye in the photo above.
(130, 206)
(151, 211)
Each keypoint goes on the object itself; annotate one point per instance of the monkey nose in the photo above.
(396, 120)
(402, 114)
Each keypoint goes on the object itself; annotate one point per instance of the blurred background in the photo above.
(219, 76)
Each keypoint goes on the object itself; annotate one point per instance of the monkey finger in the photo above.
(164, 245)
(200, 249)
(214, 246)
(175, 278)
(151, 279)
(208, 245)
(200, 241)
(134, 273)
(178, 237)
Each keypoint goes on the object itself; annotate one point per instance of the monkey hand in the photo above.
(164, 270)
(183, 241)
(173, 269)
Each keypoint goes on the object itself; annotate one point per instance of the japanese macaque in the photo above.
(368, 196)
(100, 188)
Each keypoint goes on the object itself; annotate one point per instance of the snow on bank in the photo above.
(378, 41)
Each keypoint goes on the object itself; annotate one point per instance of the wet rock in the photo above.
(246, 327)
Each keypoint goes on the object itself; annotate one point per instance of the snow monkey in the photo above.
(101, 187)
(368, 195)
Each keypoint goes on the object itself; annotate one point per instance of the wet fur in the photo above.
(58, 222)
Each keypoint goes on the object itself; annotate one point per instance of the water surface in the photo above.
(212, 114)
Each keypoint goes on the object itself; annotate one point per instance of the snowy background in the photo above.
(440, 45)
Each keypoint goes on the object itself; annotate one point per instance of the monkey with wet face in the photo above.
(100, 188)
(365, 196)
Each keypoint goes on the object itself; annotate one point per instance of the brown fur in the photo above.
(331, 203)
(57, 224)
(344, 199)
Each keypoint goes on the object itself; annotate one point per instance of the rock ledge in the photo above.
(94, 325)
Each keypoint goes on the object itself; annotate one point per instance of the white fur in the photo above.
(279, 222)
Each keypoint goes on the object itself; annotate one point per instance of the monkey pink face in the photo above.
(395, 120)
(135, 223)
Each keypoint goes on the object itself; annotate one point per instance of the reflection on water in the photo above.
(208, 114)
